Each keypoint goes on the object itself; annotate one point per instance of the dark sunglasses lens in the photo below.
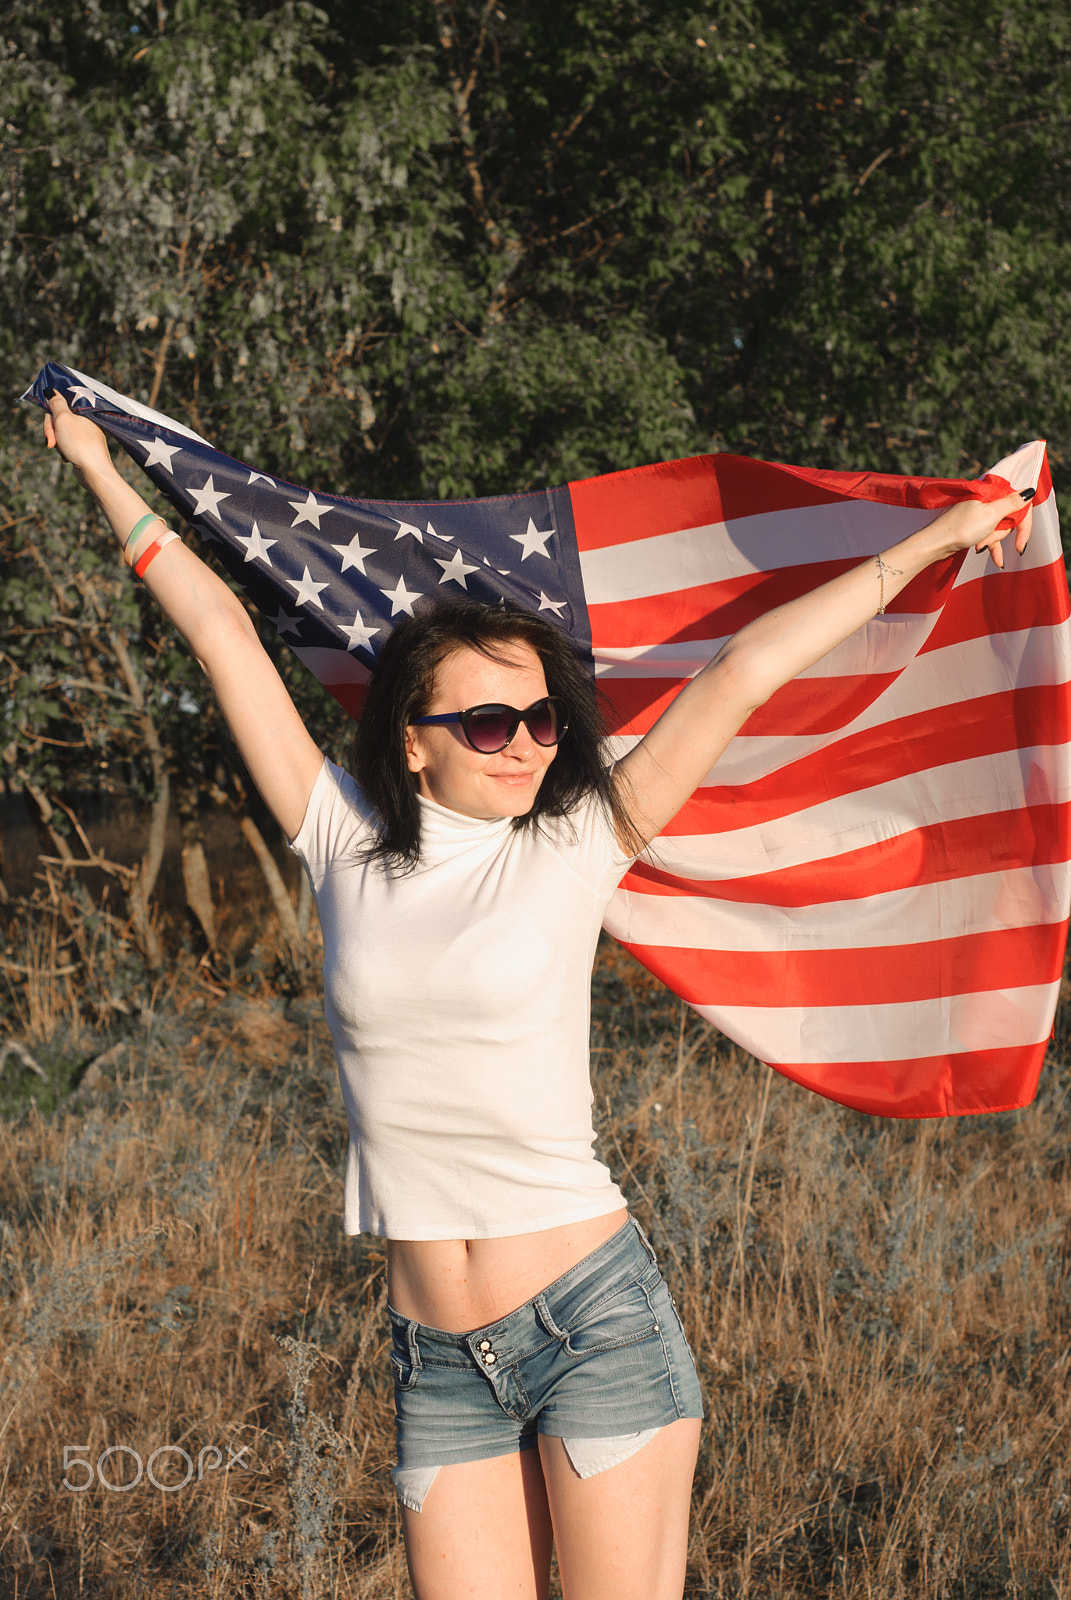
(543, 720)
(488, 731)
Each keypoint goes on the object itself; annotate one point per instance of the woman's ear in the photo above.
(414, 757)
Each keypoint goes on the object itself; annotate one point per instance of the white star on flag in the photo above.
(409, 527)
(256, 546)
(557, 606)
(401, 598)
(307, 592)
(532, 541)
(359, 634)
(79, 391)
(285, 623)
(261, 476)
(435, 535)
(455, 569)
(160, 455)
(353, 554)
(208, 498)
(309, 510)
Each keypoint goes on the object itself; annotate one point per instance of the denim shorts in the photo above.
(598, 1354)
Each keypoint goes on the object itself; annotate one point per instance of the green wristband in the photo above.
(139, 528)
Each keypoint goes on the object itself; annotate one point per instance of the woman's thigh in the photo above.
(623, 1534)
(484, 1532)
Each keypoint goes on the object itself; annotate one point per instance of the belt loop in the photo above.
(647, 1245)
(543, 1313)
(411, 1339)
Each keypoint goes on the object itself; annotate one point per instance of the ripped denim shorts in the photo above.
(598, 1359)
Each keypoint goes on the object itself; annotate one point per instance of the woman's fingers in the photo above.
(1009, 506)
(77, 438)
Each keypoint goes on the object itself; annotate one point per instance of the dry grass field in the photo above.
(193, 1400)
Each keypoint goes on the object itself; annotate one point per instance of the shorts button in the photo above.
(485, 1344)
(490, 1357)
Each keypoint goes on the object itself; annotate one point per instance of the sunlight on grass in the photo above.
(880, 1312)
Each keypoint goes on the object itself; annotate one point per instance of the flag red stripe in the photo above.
(931, 854)
(1017, 718)
(804, 706)
(645, 502)
(1002, 602)
(928, 1086)
(881, 975)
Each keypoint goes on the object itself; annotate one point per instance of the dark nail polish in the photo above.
(49, 393)
(1027, 494)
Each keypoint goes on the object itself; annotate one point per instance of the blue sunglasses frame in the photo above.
(555, 708)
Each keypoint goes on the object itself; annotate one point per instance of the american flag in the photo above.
(870, 891)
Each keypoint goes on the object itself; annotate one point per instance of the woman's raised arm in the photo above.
(674, 757)
(277, 748)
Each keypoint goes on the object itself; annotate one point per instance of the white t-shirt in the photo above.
(459, 999)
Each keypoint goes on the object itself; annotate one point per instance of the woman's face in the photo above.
(448, 770)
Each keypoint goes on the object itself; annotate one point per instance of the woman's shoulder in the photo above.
(585, 838)
(338, 817)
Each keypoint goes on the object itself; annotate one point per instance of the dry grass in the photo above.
(880, 1312)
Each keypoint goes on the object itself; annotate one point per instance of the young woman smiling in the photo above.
(544, 1389)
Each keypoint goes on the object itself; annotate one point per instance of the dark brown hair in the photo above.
(402, 687)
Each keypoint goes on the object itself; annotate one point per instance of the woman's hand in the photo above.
(78, 440)
(977, 523)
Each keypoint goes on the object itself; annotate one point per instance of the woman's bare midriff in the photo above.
(462, 1284)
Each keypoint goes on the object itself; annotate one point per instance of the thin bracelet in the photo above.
(148, 556)
(882, 570)
(139, 528)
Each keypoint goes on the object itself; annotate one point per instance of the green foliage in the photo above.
(462, 248)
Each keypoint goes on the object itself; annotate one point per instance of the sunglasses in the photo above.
(489, 729)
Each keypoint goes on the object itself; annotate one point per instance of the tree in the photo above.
(464, 246)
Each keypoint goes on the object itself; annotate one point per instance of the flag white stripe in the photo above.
(867, 816)
(986, 902)
(954, 1024)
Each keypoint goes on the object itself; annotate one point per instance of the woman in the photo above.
(544, 1389)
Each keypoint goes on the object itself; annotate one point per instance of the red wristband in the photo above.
(149, 555)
